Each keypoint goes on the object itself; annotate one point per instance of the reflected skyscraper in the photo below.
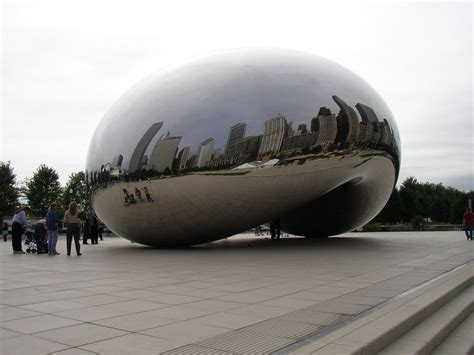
(164, 153)
(325, 125)
(136, 160)
(117, 161)
(367, 114)
(275, 130)
(183, 157)
(301, 129)
(347, 123)
(368, 125)
(204, 153)
(236, 133)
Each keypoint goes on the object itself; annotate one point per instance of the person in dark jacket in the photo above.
(86, 230)
(93, 227)
(40, 236)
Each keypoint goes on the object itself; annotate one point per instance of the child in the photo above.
(29, 235)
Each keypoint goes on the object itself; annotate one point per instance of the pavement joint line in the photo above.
(327, 330)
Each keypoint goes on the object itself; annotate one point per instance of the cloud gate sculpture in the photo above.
(239, 139)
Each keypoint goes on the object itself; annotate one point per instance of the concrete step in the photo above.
(434, 329)
(379, 328)
(460, 340)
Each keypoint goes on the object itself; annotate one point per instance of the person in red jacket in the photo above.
(468, 223)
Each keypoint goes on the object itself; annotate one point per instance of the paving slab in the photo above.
(132, 344)
(246, 286)
(80, 334)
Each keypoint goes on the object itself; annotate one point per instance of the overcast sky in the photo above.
(65, 62)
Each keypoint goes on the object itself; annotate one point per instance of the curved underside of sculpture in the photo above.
(321, 197)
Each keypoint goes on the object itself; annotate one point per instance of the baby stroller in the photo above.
(31, 247)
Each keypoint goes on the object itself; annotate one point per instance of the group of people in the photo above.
(93, 229)
(44, 236)
(129, 197)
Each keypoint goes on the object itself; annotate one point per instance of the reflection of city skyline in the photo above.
(357, 127)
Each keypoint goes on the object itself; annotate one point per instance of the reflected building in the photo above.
(386, 133)
(325, 125)
(274, 132)
(183, 157)
(299, 141)
(117, 161)
(368, 124)
(137, 159)
(347, 123)
(301, 129)
(248, 148)
(204, 153)
(163, 154)
(236, 133)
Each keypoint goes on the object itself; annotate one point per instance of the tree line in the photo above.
(40, 190)
(412, 200)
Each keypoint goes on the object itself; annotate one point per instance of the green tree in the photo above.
(78, 190)
(410, 196)
(8, 192)
(393, 210)
(42, 189)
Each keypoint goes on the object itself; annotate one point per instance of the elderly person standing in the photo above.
(52, 223)
(18, 228)
(71, 218)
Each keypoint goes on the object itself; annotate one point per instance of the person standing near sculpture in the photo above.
(52, 223)
(468, 220)
(86, 231)
(41, 238)
(93, 227)
(19, 222)
(71, 218)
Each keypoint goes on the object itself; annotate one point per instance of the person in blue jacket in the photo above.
(52, 224)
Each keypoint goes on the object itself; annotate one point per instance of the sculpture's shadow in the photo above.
(265, 243)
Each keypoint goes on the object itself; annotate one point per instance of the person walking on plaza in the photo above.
(5, 231)
(18, 228)
(147, 194)
(468, 220)
(52, 223)
(71, 218)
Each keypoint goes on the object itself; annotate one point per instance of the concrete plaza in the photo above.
(245, 294)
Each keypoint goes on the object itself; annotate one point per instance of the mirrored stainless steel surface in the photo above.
(242, 138)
